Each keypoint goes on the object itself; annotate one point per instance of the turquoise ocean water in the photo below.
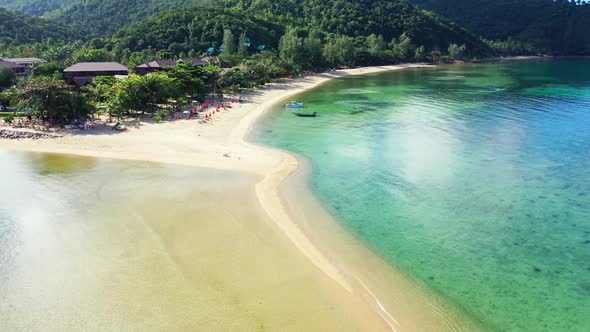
(474, 180)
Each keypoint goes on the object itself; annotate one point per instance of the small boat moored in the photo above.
(294, 104)
(306, 115)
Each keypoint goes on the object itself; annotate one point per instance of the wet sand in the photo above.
(191, 250)
(399, 299)
(362, 291)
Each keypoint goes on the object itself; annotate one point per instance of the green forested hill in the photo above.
(104, 17)
(35, 7)
(195, 29)
(266, 20)
(17, 29)
(553, 26)
(389, 18)
(371, 31)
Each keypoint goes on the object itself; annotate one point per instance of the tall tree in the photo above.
(403, 50)
(375, 45)
(312, 46)
(291, 46)
(456, 51)
(229, 42)
(243, 45)
(340, 50)
(420, 54)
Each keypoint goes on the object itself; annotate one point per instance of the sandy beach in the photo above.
(221, 144)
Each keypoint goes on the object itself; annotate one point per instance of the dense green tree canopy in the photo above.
(202, 27)
(143, 93)
(555, 26)
(18, 29)
(35, 7)
(323, 33)
(52, 99)
(194, 29)
(105, 17)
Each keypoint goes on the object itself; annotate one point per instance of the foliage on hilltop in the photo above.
(388, 18)
(17, 29)
(554, 26)
(105, 17)
(197, 28)
(194, 29)
(35, 7)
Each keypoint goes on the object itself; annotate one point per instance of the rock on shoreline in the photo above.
(15, 134)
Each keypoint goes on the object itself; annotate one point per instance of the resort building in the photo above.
(22, 66)
(159, 65)
(84, 72)
(19, 70)
(196, 61)
(154, 66)
(27, 62)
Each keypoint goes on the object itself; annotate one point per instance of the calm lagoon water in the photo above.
(474, 180)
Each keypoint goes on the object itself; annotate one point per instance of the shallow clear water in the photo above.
(91, 244)
(475, 180)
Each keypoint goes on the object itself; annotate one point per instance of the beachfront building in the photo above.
(19, 70)
(20, 63)
(154, 66)
(27, 62)
(83, 73)
(159, 65)
(196, 61)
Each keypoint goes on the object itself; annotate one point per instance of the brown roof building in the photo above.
(84, 72)
(154, 66)
(19, 70)
(158, 65)
(196, 61)
(24, 61)
(208, 60)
